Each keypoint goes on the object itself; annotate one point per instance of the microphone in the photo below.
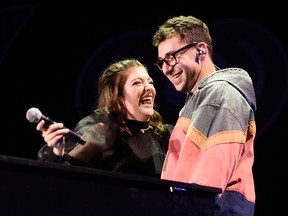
(34, 115)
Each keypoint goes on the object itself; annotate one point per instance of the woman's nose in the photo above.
(147, 87)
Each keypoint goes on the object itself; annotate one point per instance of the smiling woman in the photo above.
(124, 133)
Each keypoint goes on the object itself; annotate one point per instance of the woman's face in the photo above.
(139, 94)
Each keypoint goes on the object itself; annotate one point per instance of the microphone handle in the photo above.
(71, 135)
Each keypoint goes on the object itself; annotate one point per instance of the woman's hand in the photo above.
(53, 135)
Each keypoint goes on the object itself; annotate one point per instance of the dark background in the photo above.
(52, 54)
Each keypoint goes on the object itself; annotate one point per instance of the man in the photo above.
(212, 143)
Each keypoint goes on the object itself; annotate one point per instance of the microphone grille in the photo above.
(33, 115)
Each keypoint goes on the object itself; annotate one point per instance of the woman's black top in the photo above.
(140, 152)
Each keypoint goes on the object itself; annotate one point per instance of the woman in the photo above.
(124, 133)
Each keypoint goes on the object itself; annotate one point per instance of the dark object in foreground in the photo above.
(88, 191)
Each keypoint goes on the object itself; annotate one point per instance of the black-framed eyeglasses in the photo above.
(170, 59)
